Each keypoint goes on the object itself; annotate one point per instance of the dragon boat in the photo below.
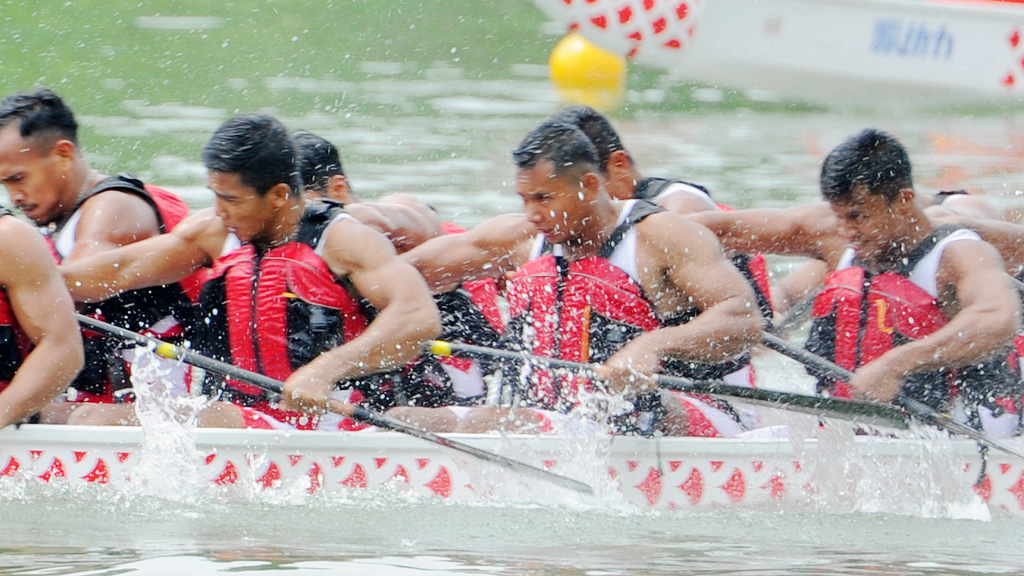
(660, 473)
(874, 53)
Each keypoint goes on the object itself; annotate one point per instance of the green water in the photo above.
(393, 82)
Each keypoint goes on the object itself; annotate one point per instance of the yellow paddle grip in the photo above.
(167, 350)
(440, 347)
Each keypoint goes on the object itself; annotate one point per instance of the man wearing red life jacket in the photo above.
(83, 212)
(40, 343)
(915, 308)
(301, 291)
(624, 284)
(624, 181)
(470, 314)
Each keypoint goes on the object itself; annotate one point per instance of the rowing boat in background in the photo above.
(665, 473)
(866, 53)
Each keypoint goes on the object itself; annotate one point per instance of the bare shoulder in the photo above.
(687, 201)
(23, 250)
(503, 230)
(117, 217)
(972, 270)
(406, 226)
(672, 231)
(409, 201)
(352, 246)
(968, 258)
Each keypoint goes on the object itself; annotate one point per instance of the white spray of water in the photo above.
(170, 463)
(922, 478)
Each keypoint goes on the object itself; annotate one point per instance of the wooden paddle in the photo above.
(912, 407)
(275, 387)
(852, 410)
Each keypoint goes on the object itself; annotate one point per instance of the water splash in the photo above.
(916, 473)
(170, 462)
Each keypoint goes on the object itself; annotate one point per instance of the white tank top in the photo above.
(64, 239)
(624, 255)
(925, 273)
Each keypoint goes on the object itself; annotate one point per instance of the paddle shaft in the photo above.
(854, 410)
(276, 387)
(915, 408)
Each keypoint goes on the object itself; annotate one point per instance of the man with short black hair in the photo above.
(915, 308)
(84, 212)
(310, 266)
(593, 279)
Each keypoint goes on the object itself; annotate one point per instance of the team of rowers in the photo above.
(291, 275)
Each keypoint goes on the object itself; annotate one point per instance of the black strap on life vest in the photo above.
(641, 210)
(649, 188)
(124, 182)
(317, 217)
(924, 248)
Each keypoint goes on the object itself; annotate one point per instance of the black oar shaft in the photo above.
(858, 411)
(915, 408)
(187, 356)
(804, 357)
(357, 412)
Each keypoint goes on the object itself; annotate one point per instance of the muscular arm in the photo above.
(490, 249)
(111, 219)
(809, 230)
(689, 269)
(403, 225)
(45, 313)
(1007, 238)
(162, 259)
(985, 314)
(407, 317)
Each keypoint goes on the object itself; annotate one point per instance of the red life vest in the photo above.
(276, 310)
(872, 315)
(171, 210)
(860, 316)
(14, 343)
(482, 293)
(585, 311)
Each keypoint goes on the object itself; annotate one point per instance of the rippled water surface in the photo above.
(429, 98)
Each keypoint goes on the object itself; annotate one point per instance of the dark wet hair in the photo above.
(597, 128)
(259, 149)
(42, 113)
(873, 159)
(565, 145)
(318, 161)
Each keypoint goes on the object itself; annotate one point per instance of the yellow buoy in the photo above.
(587, 74)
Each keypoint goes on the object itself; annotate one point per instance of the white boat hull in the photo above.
(668, 473)
(873, 53)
